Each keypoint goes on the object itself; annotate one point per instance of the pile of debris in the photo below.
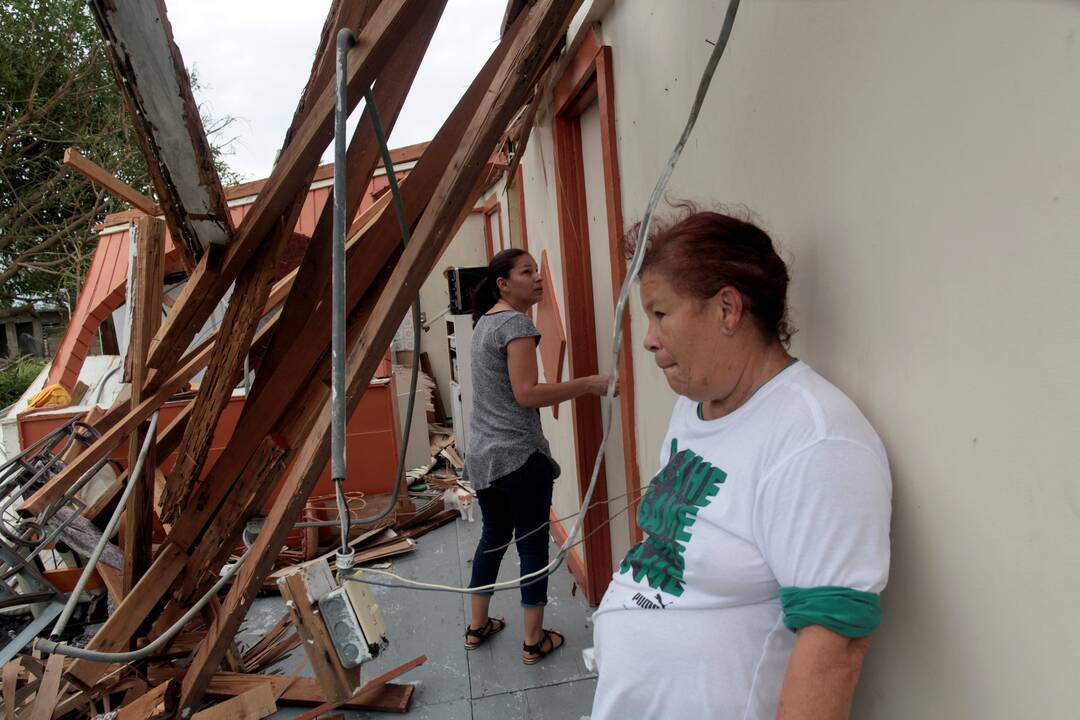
(200, 510)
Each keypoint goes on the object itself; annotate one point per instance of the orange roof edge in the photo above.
(409, 153)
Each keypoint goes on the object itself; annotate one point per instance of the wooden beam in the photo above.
(254, 704)
(226, 366)
(536, 38)
(123, 418)
(159, 702)
(400, 69)
(292, 367)
(370, 685)
(120, 628)
(64, 579)
(146, 317)
(298, 160)
(157, 91)
(103, 179)
(361, 159)
(388, 697)
(49, 691)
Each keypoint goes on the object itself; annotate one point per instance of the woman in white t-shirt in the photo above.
(756, 588)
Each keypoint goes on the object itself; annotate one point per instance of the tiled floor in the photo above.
(489, 683)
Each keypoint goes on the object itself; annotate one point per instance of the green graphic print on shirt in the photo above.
(666, 514)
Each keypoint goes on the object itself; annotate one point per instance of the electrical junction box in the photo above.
(355, 623)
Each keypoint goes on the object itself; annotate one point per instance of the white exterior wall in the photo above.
(541, 220)
(919, 164)
(465, 250)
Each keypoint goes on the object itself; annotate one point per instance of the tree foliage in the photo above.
(57, 90)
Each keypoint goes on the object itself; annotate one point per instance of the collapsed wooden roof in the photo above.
(283, 436)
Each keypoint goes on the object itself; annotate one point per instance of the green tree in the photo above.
(57, 90)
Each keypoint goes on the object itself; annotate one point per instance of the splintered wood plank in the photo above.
(290, 367)
(146, 317)
(251, 290)
(103, 179)
(157, 91)
(209, 282)
(287, 366)
(362, 157)
(125, 420)
(116, 634)
(11, 681)
(49, 692)
(254, 704)
(537, 34)
(160, 702)
(387, 697)
(226, 367)
(372, 684)
(64, 579)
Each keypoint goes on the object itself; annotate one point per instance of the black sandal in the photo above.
(492, 627)
(538, 650)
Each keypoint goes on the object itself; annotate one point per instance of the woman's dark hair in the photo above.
(701, 252)
(486, 293)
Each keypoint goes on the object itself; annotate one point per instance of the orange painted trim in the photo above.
(605, 85)
(576, 80)
(519, 186)
(492, 207)
(581, 343)
(573, 558)
(589, 78)
(406, 154)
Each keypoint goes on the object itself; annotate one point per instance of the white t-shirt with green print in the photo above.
(772, 517)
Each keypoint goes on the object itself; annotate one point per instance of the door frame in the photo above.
(588, 78)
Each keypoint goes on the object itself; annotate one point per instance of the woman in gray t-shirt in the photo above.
(508, 461)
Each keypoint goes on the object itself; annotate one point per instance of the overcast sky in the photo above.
(252, 58)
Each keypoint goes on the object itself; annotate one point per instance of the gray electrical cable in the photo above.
(110, 528)
(639, 251)
(403, 224)
(50, 647)
(624, 294)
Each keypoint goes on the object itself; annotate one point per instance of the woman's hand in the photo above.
(598, 384)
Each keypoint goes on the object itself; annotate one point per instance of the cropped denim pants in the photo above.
(512, 507)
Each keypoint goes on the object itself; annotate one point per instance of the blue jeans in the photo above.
(513, 506)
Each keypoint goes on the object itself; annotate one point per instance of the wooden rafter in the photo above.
(211, 280)
(146, 316)
(157, 91)
(103, 179)
(249, 297)
(537, 33)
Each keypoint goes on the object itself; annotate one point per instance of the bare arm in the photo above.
(821, 675)
(525, 376)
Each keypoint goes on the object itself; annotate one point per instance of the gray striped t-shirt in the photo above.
(502, 433)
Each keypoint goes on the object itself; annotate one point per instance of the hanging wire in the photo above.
(632, 273)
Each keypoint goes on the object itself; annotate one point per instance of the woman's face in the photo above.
(690, 339)
(523, 286)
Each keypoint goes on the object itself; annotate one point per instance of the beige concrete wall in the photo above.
(543, 231)
(919, 164)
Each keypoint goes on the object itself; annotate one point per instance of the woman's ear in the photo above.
(502, 285)
(728, 303)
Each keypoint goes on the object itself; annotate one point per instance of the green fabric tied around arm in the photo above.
(847, 612)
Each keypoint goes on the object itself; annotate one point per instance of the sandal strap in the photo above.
(537, 649)
(482, 632)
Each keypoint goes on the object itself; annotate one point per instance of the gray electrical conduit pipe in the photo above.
(345, 40)
(50, 647)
